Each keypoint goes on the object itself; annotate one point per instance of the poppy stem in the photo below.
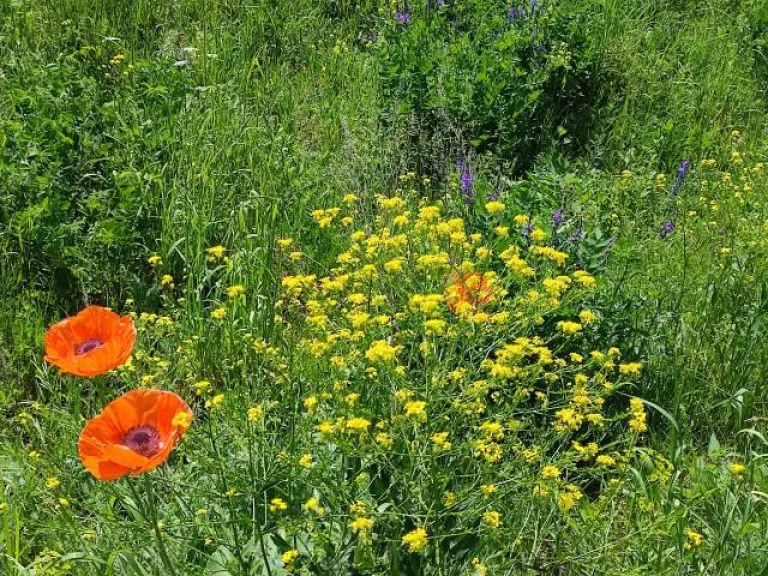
(158, 533)
(150, 515)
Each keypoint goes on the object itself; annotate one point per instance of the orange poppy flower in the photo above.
(93, 342)
(468, 291)
(133, 434)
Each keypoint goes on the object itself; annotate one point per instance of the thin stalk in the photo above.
(149, 513)
(256, 521)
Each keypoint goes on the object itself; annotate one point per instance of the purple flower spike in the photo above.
(466, 185)
(557, 218)
(462, 166)
(682, 174)
(667, 228)
(527, 229)
(403, 18)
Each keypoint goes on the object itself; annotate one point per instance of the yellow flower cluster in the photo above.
(416, 540)
(637, 415)
(325, 218)
(403, 336)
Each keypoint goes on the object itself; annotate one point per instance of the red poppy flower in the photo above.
(468, 291)
(133, 434)
(93, 342)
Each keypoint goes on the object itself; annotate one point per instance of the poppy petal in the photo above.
(91, 343)
(114, 443)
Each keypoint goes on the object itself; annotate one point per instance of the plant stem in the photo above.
(150, 515)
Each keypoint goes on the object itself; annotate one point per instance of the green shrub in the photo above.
(485, 76)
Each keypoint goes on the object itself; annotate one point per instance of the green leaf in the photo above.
(714, 447)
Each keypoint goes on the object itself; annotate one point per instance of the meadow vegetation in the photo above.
(455, 288)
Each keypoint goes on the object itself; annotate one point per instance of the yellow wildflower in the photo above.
(488, 489)
(637, 420)
(416, 540)
(255, 414)
(394, 265)
(550, 472)
(306, 461)
(492, 519)
(494, 207)
(359, 425)
(522, 220)
(380, 351)
(435, 327)
(605, 460)
(216, 253)
(182, 420)
(384, 440)
(289, 557)
(361, 524)
(630, 368)
(693, 539)
(215, 401)
(416, 409)
(587, 317)
(219, 313)
(569, 328)
(201, 387)
(440, 441)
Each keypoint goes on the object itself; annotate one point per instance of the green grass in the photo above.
(138, 128)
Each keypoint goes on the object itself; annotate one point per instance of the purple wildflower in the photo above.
(403, 18)
(466, 185)
(512, 14)
(667, 228)
(527, 229)
(682, 174)
(557, 218)
(462, 166)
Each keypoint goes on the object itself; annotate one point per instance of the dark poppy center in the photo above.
(87, 346)
(143, 439)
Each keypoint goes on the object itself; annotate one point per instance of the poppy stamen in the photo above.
(143, 439)
(87, 346)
